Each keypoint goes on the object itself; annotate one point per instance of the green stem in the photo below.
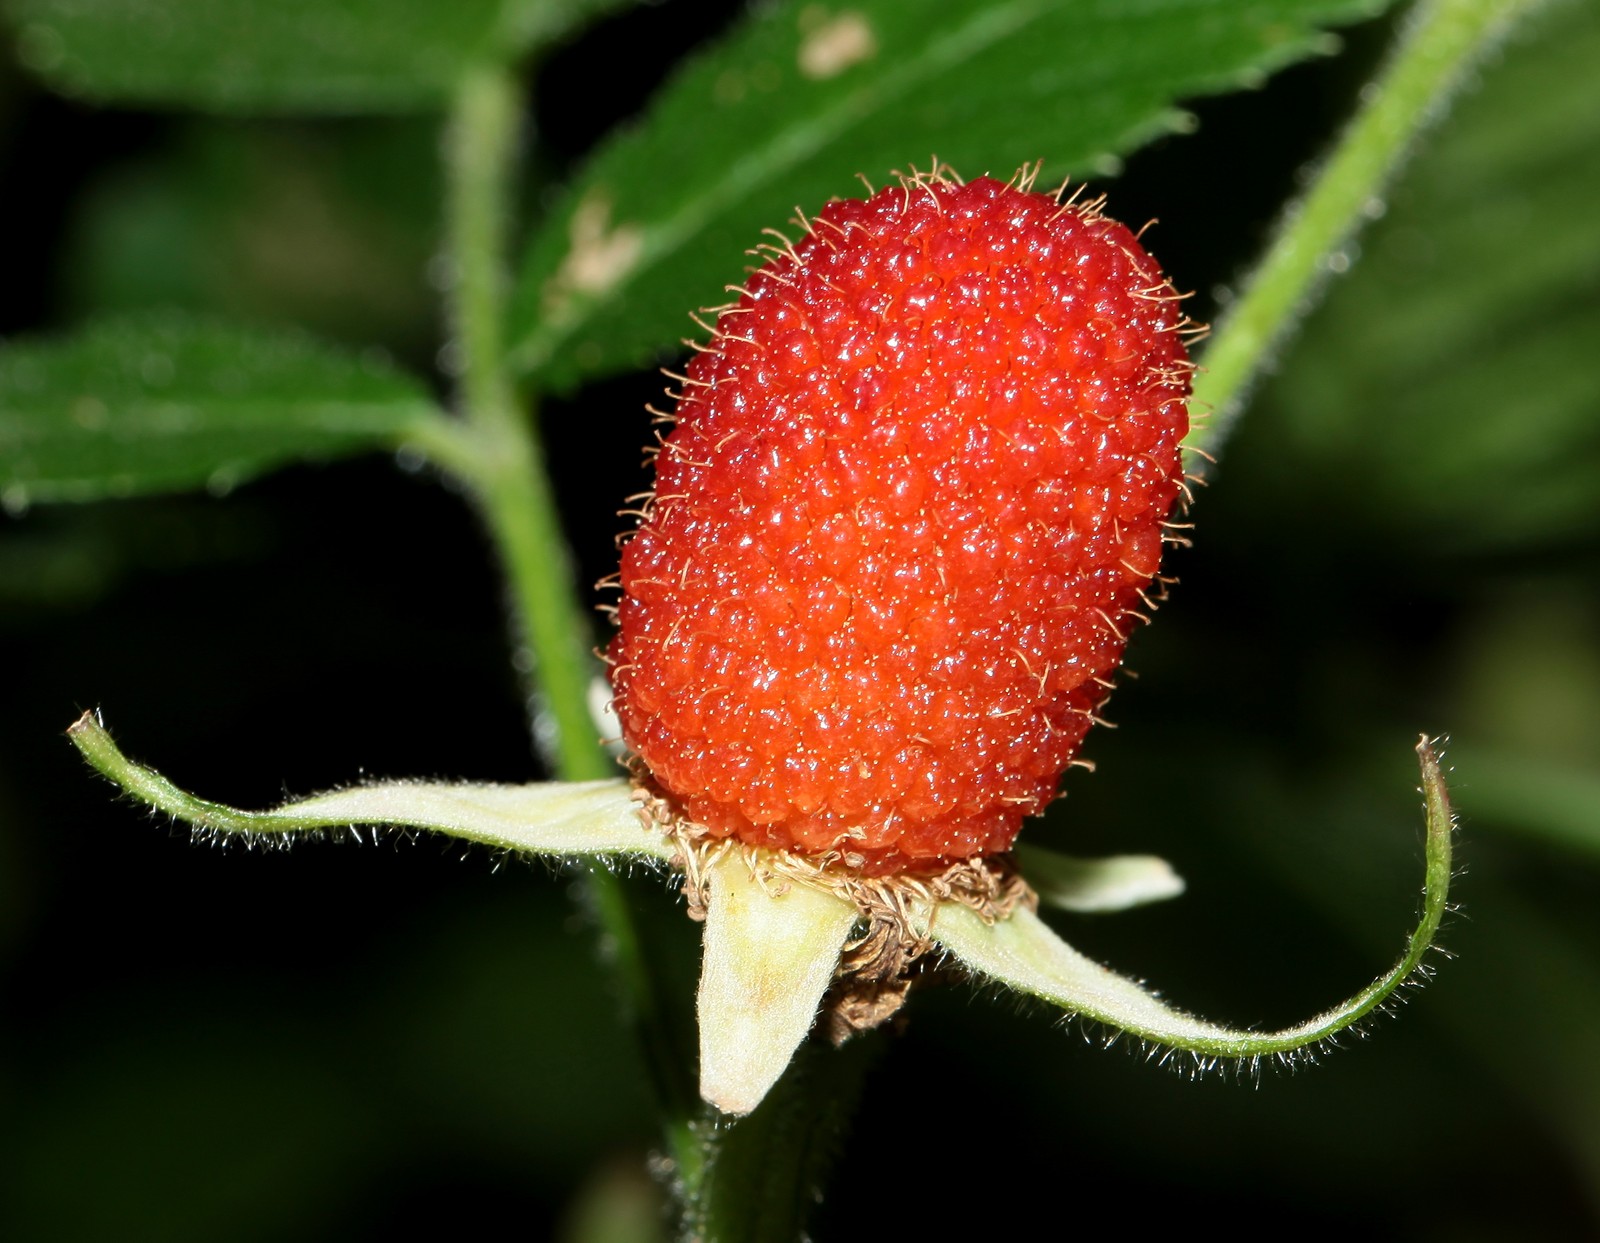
(1442, 40)
(507, 470)
(500, 457)
(764, 1176)
(481, 150)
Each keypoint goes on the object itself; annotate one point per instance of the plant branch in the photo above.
(1441, 41)
(507, 468)
(499, 456)
(481, 152)
(764, 1176)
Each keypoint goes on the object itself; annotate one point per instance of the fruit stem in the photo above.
(764, 1177)
(1441, 41)
(499, 457)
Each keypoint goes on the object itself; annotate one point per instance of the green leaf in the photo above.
(551, 817)
(282, 56)
(159, 402)
(1446, 391)
(1530, 796)
(802, 98)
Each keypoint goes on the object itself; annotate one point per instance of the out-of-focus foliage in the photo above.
(330, 227)
(1448, 391)
(282, 56)
(162, 401)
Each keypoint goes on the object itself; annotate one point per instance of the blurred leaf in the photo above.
(1525, 679)
(10, 80)
(1525, 700)
(281, 56)
(790, 108)
(500, 1026)
(157, 402)
(328, 226)
(1448, 389)
(74, 556)
(1530, 1009)
(619, 1204)
(1532, 797)
(191, 1133)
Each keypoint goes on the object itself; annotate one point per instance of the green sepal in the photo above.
(1024, 954)
(1089, 886)
(552, 817)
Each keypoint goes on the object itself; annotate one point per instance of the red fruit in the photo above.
(915, 491)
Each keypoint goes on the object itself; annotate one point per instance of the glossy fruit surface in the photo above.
(916, 487)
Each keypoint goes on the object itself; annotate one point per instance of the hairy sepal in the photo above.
(773, 943)
(1097, 886)
(565, 818)
(1024, 954)
(770, 952)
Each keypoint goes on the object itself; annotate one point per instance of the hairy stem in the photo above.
(506, 467)
(764, 1176)
(1441, 41)
(499, 456)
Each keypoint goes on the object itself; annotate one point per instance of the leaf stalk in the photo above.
(1441, 41)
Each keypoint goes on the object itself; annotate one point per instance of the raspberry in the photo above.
(915, 491)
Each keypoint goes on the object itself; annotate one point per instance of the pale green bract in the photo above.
(773, 943)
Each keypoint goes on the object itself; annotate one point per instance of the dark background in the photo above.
(331, 1042)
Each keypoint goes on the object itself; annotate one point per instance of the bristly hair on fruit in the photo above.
(920, 290)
